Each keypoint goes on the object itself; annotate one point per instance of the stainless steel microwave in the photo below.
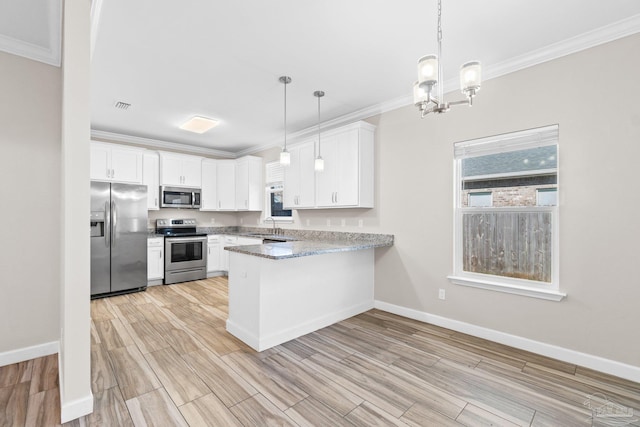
(180, 197)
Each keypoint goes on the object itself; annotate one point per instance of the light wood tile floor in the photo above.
(163, 358)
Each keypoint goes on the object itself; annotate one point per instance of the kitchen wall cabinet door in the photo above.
(214, 247)
(226, 180)
(249, 187)
(209, 193)
(155, 258)
(115, 163)
(180, 170)
(299, 177)
(347, 180)
(151, 178)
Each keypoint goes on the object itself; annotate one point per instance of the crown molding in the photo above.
(49, 55)
(159, 144)
(608, 33)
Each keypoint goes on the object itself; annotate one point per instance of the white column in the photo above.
(75, 341)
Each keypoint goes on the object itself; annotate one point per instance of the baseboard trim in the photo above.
(28, 353)
(597, 363)
(77, 408)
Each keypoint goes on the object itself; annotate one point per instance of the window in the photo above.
(274, 207)
(274, 204)
(480, 199)
(506, 215)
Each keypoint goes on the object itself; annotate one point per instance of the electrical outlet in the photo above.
(213, 220)
(308, 222)
(241, 220)
(328, 222)
(360, 223)
(441, 294)
(343, 222)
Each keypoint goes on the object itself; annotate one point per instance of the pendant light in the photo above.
(285, 156)
(319, 163)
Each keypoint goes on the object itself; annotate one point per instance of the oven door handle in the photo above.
(187, 239)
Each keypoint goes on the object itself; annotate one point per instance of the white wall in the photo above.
(593, 96)
(30, 117)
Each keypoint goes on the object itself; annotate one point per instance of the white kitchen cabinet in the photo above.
(209, 201)
(229, 240)
(214, 248)
(226, 185)
(151, 178)
(299, 177)
(180, 170)
(224, 255)
(249, 187)
(155, 258)
(347, 180)
(115, 163)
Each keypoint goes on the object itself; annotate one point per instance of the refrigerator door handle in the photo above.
(114, 211)
(107, 224)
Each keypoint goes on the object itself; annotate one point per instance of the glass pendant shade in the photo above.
(470, 77)
(419, 95)
(319, 164)
(285, 158)
(428, 72)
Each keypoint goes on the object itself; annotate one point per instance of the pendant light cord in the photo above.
(285, 114)
(318, 126)
(440, 67)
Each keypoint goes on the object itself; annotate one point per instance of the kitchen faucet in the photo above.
(274, 225)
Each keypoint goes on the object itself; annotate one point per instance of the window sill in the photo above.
(527, 291)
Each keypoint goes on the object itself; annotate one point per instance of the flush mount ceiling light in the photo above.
(199, 124)
(285, 156)
(430, 77)
(319, 163)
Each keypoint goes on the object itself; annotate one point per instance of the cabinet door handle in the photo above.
(155, 203)
(336, 197)
(113, 173)
(159, 254)
(246, 204)
(219, 204)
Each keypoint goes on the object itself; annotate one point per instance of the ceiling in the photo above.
(172, 60)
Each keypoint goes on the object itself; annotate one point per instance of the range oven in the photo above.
(185, 250)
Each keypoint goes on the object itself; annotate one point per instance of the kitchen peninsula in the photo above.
(280, 291)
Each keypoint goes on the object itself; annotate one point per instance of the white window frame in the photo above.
(515, 141)
(269, 189)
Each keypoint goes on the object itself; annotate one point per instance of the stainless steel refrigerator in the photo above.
(118, 238)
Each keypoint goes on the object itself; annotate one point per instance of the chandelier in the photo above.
(430, 77)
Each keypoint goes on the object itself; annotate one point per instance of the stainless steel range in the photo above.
(185, 250)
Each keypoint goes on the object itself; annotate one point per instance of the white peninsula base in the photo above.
(272, 301)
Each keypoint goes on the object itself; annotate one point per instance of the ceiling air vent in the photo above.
(122, 105)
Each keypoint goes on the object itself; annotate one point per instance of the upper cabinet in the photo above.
(209, 192)
(249, 187)
(115, 163)
(151, 178)
(299, 177)
(226, 184)
(180, 170)
(347, 180)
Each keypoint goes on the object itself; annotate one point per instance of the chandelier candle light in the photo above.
(285, 156)
(430, 76)
(319, 163)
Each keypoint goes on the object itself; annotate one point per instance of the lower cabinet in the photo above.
(155, 258)
(214, 248)
(225, 241)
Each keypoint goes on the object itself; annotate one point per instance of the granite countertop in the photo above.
(285, 250)
(298, 243)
